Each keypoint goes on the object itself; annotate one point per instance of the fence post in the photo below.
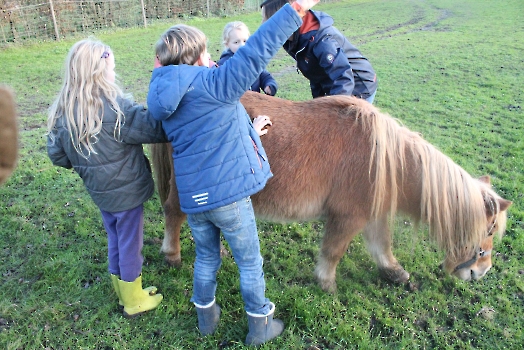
(143, 13)
(54, 19)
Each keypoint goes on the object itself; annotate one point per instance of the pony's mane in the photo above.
(451, 200)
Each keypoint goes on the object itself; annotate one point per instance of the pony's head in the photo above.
(467, 267)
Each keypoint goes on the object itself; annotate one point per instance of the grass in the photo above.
(451, 70)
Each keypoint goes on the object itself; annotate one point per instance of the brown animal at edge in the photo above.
(8, 134)
(340, 159)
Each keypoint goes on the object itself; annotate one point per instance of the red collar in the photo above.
(309, 23)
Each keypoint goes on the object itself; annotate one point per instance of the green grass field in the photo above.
(451, 70)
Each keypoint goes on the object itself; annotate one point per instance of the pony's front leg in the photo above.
(339, 231)
(174, 218)
(378, 242)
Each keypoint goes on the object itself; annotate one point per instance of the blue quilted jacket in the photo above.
(218, 156)
(264, 79)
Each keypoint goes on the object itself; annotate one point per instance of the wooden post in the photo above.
(54, 20)
(143, 13)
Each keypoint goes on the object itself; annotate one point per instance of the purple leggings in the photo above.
(125, 238)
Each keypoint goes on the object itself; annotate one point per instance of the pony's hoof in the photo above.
(328, 286)
(173, 261)
(224, 253)
(398, 275)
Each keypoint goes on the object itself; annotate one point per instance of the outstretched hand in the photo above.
(307, 4)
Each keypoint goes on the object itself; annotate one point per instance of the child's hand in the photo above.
(268, 91)
(307, 4)
(261, 123)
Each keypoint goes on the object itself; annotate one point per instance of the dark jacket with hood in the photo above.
(118, 176)
(331, 63)
(218, 156)
(264, 79)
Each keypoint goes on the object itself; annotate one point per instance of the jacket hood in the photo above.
(167, 87)
(324, 19)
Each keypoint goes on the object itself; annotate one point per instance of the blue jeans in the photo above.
(371, 98)
(237, 223)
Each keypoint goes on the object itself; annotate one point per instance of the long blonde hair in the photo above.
(80, 100)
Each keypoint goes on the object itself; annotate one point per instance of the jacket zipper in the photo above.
(296, 60)
(258, 153)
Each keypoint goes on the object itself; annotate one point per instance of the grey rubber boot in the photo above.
(263, 327)
(208, 318)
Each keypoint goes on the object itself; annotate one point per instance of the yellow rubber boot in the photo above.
(114, 280)
(137, 300)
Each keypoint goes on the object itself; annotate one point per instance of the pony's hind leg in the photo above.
(174, 219)
(339, 231)
(378, 242)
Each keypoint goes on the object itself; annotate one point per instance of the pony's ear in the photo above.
(504, 204)
(486, 179)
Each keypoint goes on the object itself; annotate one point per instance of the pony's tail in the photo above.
(162, 168)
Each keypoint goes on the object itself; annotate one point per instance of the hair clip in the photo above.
(105, 54)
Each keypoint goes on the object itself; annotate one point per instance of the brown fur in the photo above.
(8, 134)
(340, 159)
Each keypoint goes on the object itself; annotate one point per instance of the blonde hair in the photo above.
(80, 100)
(180, 44)
(226, 34)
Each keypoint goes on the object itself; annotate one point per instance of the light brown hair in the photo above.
(180, 44)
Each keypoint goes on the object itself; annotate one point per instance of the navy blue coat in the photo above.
(331, 63)
(264, 79)
(218, 156)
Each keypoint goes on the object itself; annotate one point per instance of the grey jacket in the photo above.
(118, 177)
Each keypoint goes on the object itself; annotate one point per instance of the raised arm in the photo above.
(234, 77)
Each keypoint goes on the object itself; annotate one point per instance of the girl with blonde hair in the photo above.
(235, 36)
(96, 129)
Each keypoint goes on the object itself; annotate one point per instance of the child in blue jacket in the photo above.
(234, 36)
(219, 161)
(326, 57)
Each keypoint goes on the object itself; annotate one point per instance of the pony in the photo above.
(339, 159)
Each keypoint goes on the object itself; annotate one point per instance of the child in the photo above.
(235, 36)
(219, 160)
(324, 55)
(94, 129)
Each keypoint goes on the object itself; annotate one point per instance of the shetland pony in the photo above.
(340, 159)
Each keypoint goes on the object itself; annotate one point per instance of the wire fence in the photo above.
(24, 20)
